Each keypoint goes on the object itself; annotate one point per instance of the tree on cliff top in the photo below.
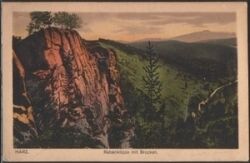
(67, 20)
(39, 20)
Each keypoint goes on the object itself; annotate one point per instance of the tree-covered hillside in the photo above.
(177, 122)
(210, 59)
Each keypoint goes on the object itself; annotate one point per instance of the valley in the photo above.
(91, 94)
(179, 85)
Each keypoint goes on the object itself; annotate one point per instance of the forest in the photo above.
(107, 94)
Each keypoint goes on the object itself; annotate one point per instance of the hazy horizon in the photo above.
(138, 26)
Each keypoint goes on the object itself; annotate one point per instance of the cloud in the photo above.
(138, 25)
(165, 18)
(125, 23)
(133, 23)
(133, 30)
(197, 19)
(139, 16)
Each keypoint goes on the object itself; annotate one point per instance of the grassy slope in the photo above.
(173, 80)
(217, 126)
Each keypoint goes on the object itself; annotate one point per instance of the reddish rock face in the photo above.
(24, 125)
(71, 85)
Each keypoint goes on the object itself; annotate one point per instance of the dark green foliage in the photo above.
(67, 20)
(63, 138)
(202, 59)
(39, 20)
(145, 132)
(149, 132)
(214, 127)
(151, 78)
(228, 42)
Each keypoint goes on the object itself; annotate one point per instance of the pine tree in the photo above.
(152, 83)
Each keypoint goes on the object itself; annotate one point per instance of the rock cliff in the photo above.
(24, 125)
(73, 85)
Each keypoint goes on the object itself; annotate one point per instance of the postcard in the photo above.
(127, 81)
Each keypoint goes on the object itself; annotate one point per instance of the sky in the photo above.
(138, 26)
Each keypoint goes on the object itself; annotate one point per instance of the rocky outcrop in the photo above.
(24, 125)
(211, 95)
(213, 121)
(73, 86)
(215, 95)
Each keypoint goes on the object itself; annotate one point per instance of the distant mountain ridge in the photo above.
(202, 36)
(194, 37)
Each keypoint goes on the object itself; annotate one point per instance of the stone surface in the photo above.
(24, 125)
(72, 84)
